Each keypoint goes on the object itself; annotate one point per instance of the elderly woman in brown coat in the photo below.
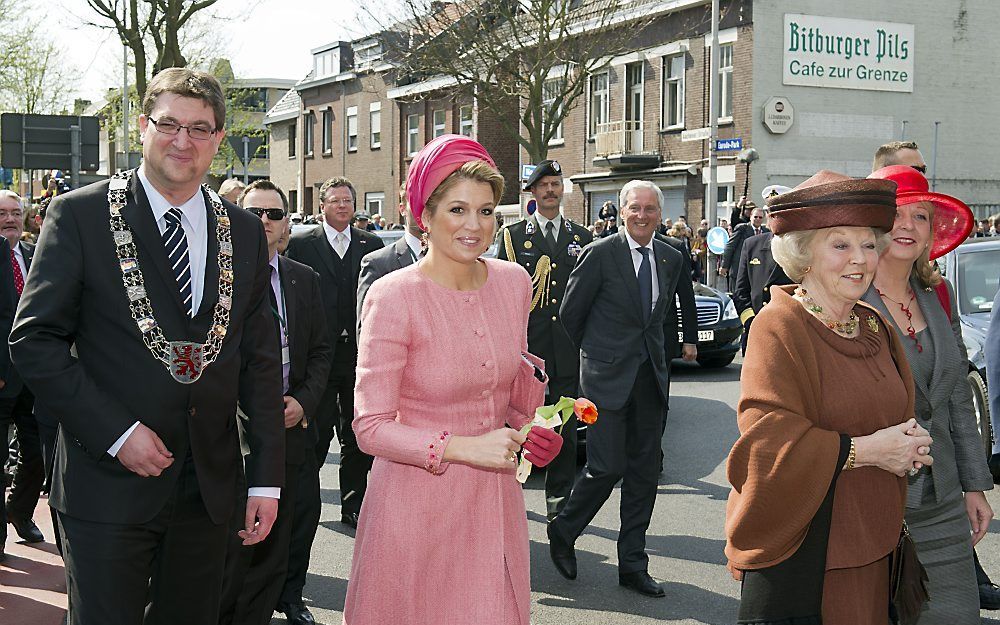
(818, 471)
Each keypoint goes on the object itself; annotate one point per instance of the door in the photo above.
(633, 108)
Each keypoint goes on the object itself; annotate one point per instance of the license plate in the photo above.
(704, 336)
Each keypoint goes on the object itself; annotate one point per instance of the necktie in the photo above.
(341, 244)
(18, 278)
(645, 277)
(550, 236)
(176, 245)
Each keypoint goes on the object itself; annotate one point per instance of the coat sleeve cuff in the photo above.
(434, 462)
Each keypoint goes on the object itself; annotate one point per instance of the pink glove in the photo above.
(543, 445)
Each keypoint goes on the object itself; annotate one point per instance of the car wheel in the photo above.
(716, 363)
(981, 404)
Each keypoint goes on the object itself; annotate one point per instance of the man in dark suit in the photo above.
(757, 273)
(8, 303)
(17, 401)
(547, 245)
(731, 255)
(256, 574)
(334, 250)
(403, 253)
(618, 310)
(162, 287)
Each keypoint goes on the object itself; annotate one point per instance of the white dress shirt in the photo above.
(414, 244)
(556, 223)
(332, 236)
(637, 260)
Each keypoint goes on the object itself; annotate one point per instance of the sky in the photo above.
(261, 38)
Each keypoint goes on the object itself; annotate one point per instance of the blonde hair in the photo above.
(924, 271)
(793, 250)
(477, 171)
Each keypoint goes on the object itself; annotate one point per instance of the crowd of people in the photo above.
(180, 362)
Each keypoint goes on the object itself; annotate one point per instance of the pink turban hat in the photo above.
(435, 162)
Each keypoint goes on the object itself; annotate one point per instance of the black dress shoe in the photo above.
(989, 597)
(562, 553)
(350, 518)
(27, 530)
(642, 583)
(296, 613)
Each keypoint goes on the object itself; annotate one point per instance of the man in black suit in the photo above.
(731, 255)
(334, 250)
(17, 401)
(548, 245)
(8, 304)
(619, 310)
(403, 253)
(757, 274)
(162, 288)
(256, 574)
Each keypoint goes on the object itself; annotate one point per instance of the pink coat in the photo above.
(434, 538)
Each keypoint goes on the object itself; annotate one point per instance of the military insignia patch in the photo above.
(573, 249)
(529, 228)
(754, 261)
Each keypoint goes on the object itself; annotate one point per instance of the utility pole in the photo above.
(712, 199)
(125, 103)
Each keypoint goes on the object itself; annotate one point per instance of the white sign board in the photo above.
(847, 53)
(778, 115)
(697, 134)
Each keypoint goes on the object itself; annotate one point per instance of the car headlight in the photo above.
(730, 311)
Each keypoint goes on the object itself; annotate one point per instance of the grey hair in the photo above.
(640, 184)
(793, 250)
(10, 194)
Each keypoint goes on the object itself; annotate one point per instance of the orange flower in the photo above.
(585, 410)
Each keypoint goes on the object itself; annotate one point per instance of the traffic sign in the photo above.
(717, 239)
(49, 142)
(526, 171)
(697, 134)
(729, 145)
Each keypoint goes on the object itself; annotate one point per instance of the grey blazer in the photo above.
(944, 407)
(380, 263)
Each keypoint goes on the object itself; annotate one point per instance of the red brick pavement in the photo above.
(32, 579)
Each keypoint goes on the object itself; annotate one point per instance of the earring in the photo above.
(808, 269)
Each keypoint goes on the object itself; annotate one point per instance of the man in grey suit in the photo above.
(618, 310)
(403, 253)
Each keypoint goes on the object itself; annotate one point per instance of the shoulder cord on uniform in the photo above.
(540, 281)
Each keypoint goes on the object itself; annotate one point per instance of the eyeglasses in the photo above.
(921, 168)
(274, 214)
(167, 127)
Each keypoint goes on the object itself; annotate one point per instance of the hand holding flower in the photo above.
(543, 445)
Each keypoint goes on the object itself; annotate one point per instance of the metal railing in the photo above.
(626, 137)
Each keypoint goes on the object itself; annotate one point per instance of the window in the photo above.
(292, 139)
(726, 82)
(326, 63)
(599, 102)
(725, 201)
(465, 121)
(293, 200)
(439, 119)
(352, 129)
(327, 131)
(375, 123)
(633, 108)
(309, 132)
(673, 92)
(552, 105)
(412, 134)
(373, 203)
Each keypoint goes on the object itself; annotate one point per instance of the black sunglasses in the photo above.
(921, 168)
(274, 214)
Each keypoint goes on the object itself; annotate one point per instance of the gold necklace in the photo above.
(846, 328)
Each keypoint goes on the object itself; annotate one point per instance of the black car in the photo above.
(974, 270)
(719, 327)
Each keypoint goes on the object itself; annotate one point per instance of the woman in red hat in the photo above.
(944, 501)
(440, 400)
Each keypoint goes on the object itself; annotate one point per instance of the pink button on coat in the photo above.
(436, 541)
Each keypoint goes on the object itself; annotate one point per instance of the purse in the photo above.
(908, 583)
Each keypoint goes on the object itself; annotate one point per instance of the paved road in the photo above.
(685, 540)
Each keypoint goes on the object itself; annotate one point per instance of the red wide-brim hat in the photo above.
(953, 220)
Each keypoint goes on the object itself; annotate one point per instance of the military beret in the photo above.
(545, 168)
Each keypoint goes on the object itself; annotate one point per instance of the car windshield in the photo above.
(978, 280)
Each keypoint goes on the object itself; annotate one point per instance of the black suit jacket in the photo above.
(74, 295)
(731, 255)
(8, 304)
(312, 248)
(757, 273)
(602, 315)
(13, 382)
(379, 263)
(547, 338)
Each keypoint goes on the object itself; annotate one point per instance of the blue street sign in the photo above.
(729, 145)
(526, 171)
(717, 239)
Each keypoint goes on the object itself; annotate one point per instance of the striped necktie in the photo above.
(176, 245)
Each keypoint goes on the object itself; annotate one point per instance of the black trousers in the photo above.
(561, 472)
(163, 572)
(48, 433)
(29, 474)
(302, 531)
(622, 445)
(336, 411)
(255, 574)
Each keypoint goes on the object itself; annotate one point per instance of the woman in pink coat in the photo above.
(444, 384)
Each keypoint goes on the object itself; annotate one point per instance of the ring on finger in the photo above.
(511, 457)
(913, 471)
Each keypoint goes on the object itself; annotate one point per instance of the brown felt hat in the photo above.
(829, 199)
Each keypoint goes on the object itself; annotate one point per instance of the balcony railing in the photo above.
(626, 137)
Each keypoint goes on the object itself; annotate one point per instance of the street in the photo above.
(685, 541)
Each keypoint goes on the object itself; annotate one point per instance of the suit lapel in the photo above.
(27, 251)
(139, 216)
(359, 247)
(404, 258)
(623, 258)
(940, 331)
(563, 239)
(872, 298)
(290, 294)
(324, 249)
(662, 269)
